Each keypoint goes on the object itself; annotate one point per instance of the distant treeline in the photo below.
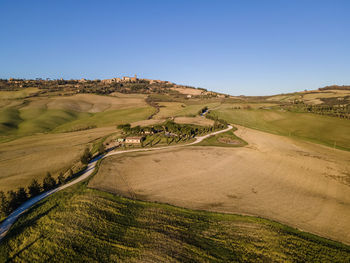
(336, 110)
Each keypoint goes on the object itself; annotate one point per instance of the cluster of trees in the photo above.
(125, 127)
(170, 128)
(203, 110)
(184, 130)
(218, 123)
(13, 199)
(85, 158)
(340, 111)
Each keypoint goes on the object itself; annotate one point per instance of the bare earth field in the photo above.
(301, 184)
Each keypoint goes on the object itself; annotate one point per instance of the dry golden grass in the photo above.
(178, 109)
(198, 120)
(168, 109)
(87, 103)
(287, 97)
(297, 183)
(18, 94)
(315, 97)
(31, 157)
(189, 91)
(310, 97)
(147, 122)
(243, 105)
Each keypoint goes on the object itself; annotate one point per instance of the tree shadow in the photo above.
(10, 259)
(26, 222)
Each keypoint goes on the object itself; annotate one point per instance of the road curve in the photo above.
(11, 219)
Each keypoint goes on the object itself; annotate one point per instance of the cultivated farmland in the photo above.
(298, 183)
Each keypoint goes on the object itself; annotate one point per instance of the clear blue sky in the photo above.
(236, 47)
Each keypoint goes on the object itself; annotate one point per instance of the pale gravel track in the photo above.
(11, 219)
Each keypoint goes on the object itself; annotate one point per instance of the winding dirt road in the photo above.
(11, 219)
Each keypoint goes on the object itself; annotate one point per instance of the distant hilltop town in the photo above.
(124, 79)
(123, 84)
(134, 79)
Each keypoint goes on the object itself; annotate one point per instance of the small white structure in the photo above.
(136, 139)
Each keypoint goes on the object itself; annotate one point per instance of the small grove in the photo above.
(170, 129)
(334, 108)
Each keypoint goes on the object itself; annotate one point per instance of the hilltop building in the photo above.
(120, 80)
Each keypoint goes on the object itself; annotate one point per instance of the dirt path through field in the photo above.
(297, 183)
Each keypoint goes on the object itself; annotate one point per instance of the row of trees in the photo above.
(13, 199)
(340, 111)
(218, 123)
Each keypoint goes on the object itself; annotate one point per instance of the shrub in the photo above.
(15, 199)
(22, 195)
(101, 148)
(34, 188)
(60, 178)
(4, 205)
(12, 201)
(48, 182)
(86, 156)
(125, 127)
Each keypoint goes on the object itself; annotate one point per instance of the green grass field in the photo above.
(86, 225)
(226, 139)
(20, 117)
(17, 123)
(176, 109)
(18, 94)
(320, 129)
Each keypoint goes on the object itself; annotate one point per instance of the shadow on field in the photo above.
(18, 228)
(10, 259)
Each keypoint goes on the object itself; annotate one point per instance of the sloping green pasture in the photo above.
(320, 129)
(86, 225)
